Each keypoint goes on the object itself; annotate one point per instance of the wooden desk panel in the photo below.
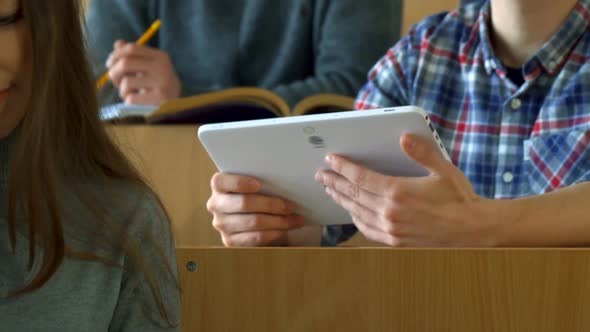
(385, 290)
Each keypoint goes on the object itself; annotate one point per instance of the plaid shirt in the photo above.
(510, 141)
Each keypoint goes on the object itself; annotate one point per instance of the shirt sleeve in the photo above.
(108, 21)
(346, 46)
(137, 308)
(390, 81)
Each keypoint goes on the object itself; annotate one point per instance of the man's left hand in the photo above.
(440, 209)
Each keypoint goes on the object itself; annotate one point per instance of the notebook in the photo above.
(234, 104)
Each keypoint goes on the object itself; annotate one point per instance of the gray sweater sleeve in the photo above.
(137, 309)
(349, 37)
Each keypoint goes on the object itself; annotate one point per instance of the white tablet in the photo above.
(285, 153)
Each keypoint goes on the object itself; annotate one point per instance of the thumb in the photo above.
(425, 153)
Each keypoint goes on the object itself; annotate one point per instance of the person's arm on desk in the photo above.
(561, 218)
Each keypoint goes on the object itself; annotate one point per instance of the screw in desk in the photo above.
(191, 266)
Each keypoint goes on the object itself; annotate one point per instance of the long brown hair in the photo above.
(62, 138)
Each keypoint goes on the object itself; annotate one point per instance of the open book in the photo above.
(223, 106)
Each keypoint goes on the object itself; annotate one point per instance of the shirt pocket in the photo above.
(557, 160)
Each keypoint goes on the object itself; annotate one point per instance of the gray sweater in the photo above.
(88, 295)
(295, 48)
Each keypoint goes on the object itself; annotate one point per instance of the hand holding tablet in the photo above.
(285, 154)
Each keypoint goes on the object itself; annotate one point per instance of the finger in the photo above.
(231, 183)
(125, 50)
(134, 85)
(116, 46)
(376, 235)
(251, 203)
(255, 239)
(129, 66)
(354, 208)
(363, 177)
(353, 191)
(425, 153)
(386, 219)
(407, 193)
(400, 191)
(241, 223)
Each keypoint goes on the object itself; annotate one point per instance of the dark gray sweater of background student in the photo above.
(295, 48)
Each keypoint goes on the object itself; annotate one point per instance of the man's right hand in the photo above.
(244, 217)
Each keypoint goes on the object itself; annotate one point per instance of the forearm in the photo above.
(561, 218)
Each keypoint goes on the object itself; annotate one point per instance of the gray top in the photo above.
(88, 295)
(295, 48)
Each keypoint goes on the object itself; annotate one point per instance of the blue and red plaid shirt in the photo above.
(510, 141)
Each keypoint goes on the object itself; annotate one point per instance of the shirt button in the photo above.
(508, 177)
(515, 103)
(552, 65)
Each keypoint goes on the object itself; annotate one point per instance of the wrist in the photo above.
(505, 218)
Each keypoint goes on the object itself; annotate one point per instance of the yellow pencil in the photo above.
(141, 41)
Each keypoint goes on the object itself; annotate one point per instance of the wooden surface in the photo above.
(416, 10)
(385, 290)
(179, 169)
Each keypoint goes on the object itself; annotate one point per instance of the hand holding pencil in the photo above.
(142, 75)
(141, 41)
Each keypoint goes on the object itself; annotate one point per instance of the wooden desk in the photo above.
(385, 290)
(179, 169)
